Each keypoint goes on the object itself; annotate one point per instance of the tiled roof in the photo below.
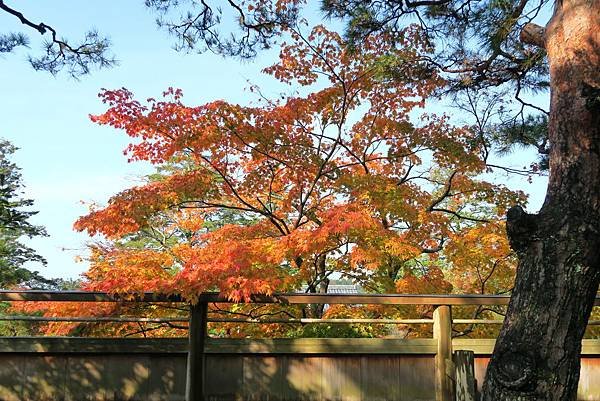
(343, 289)
(340, 289)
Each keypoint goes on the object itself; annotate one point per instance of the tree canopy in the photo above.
(339, 180)
(353, 179)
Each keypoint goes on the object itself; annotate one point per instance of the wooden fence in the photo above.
(201, 368)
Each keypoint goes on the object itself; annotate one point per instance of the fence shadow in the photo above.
(261, 370)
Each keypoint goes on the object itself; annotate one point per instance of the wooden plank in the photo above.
(590, 347)
(44, 378)
(90, 345)
(477, 321)
(380, 378)
(304, 377)
(84, 376)
(92, 319)
(322, 346)
(194, 390)
(394, 299)
(284, 298)
(224, 377)
(442, 332)
(310, 320)
(167, 378)
(84, 296)
(216, 345)
(485, 346)
(464, 362)
(417, 373)
(12, 375)
(125, 378)
(589, 379)
(263, 379)
(481, 363)
(342, 378)
(480, 346)
(104, 377)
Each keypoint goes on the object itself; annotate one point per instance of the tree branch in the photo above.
(533, 34)
(41, 27)
(59, 53)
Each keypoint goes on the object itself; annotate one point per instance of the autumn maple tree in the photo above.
(342, 180)
(353, 179)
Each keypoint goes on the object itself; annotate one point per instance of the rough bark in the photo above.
(537, 353)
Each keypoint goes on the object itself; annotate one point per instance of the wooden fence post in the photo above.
(194, 386)
(465, 375)
(444, 367)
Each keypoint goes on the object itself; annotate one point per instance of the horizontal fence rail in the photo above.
(93, 319)
(283, 298)
(101, 319)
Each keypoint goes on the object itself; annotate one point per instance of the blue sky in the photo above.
(65, 158)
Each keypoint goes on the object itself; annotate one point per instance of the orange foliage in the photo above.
(343, 180)
(481, 259)
(316, 184)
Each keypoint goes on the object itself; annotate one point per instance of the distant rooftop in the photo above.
(340, 289)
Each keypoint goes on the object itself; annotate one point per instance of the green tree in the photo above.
(14, 224)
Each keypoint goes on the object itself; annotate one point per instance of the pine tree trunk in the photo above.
(537, 353)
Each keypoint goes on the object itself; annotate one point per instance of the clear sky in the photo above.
(65, 158)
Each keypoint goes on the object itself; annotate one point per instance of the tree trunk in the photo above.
(537, 353)
(320, 286)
